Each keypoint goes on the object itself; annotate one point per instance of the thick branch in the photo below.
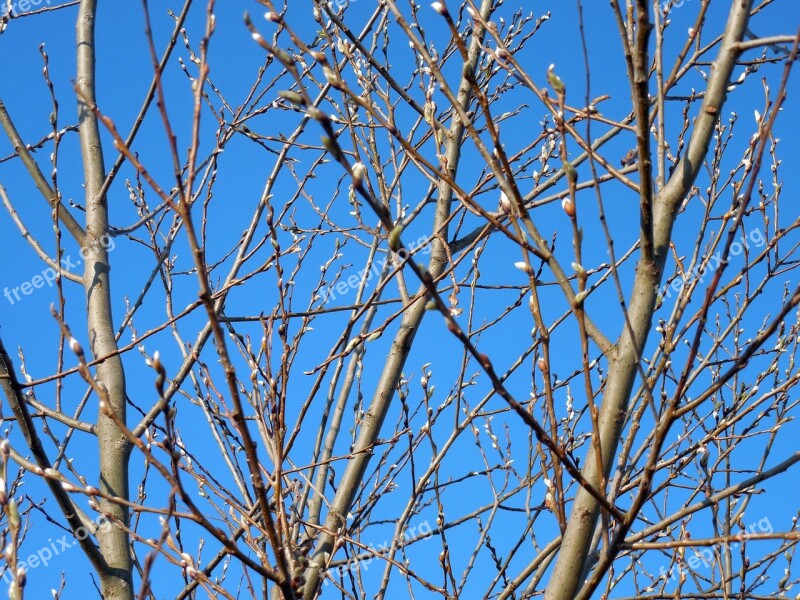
(114, 448)
(567, 577)
(401, 346)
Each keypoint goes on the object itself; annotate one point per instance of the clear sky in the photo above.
(124, 72)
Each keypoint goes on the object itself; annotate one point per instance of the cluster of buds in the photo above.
(187, 564)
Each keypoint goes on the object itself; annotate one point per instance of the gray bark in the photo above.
(566, 581)
(401, 347)
(113, 445)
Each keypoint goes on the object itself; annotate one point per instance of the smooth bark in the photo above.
(566, 580)
(113, 445)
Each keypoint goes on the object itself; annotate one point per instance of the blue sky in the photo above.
(124, 72)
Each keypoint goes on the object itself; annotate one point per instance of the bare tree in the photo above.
(368, 380)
